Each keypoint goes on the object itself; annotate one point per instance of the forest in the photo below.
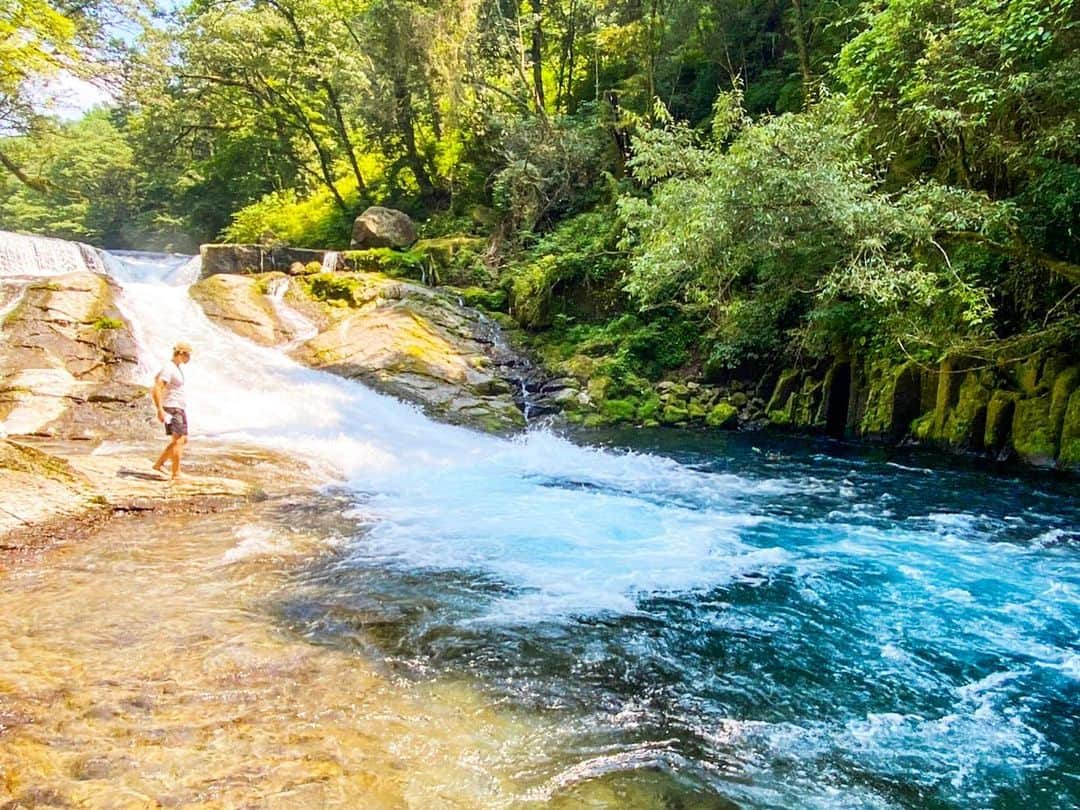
(678, 189)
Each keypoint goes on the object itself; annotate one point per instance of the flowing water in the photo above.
(644, 619)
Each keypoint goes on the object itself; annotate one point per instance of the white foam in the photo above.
(255, 541)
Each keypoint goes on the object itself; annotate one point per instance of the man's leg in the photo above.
(177, 453)
(166, 454)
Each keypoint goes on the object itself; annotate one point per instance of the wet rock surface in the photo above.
(55, 489)
(68, 361)
(412, 342)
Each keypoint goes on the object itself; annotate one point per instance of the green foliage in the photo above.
(103, 324)
(789, 217)
(90, 193)
(314, 222)
(580, 253)
(549, 168)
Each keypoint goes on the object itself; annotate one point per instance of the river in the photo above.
(633, 619)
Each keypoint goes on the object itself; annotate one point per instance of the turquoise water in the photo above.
(743, 621)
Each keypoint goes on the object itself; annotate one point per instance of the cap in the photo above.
(182, 348)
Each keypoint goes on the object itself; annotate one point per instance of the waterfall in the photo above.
(330, 261)
(22, 255)
(301, 327)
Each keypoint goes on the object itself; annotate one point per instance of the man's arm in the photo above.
(157, 394)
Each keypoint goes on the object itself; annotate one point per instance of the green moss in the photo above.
(478, 297)
(649, 408)
(530, 293)
(1065, 383)
(1069, 452)
(722, 415)
(410, 264)
(780, 418)
(598, 387)
(455, 259)
(999, 416)
(785, 387)
(1027, 375)
(334, 289)
(673, 415)
(102, 324)
(965, 422)
(620, 410)
(1032, 432)
(923, 427)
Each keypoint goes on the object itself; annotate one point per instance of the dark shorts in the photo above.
(176, 424)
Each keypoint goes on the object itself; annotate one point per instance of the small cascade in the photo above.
(301, 327)
(516, 367)
(330, 261)
(135, 266)
(22, 255)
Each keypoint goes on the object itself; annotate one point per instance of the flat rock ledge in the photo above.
(54, 490)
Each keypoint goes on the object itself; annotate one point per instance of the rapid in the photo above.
(637, 619)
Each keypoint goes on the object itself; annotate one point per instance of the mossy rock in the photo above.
(649, 409)
(620, 410)
(580, 366)
(894, 399)
(965, 422)
(780, 418)
(339, 289)
(1026, 375)
(480, 298)
(1069, 452)
(923, 427)
(530, 293)
(697, 411)
(1066, 383)
(454, 259)
(410, 264)
(598, 387)
(999, 416)
(1033, 435)
(785, 388)
(673, 415)
(723, 415)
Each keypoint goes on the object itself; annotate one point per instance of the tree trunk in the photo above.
(798, 32)
(536, 53)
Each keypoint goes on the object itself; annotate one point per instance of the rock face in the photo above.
(1029, 411)
(245, 304)
(382, 227)
(403, 339)
(68, 362)
(257, 259)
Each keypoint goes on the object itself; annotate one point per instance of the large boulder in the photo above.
(69, 363)
(251, 306)
(382, 227)
(417, 344)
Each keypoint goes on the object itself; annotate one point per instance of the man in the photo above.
(168, 396)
